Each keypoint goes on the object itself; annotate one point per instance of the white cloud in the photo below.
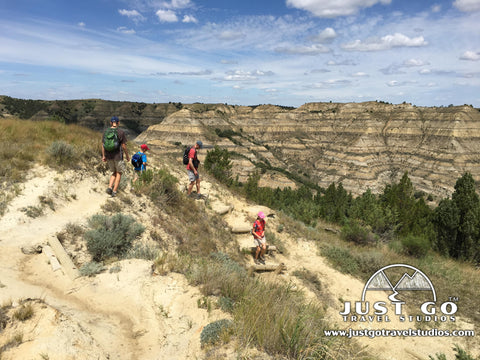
(470, 55)
(415, 62)
(81, 24)
(333, 8)
(326, 36)
(130, 13)
(124, 30)
(189, 19)
(176, 4)
(385, 43)
(303, 50)
(167, 16)
(88, 51)
(467, 5)
(240, 75)
(436, 8)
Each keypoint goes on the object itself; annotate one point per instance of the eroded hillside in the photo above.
(365, 145)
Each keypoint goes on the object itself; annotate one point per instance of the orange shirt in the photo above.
(192, 154)
(259, 228)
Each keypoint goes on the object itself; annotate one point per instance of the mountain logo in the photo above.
(418, 281)
(392, 280)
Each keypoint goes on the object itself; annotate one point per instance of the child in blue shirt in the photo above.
(141, 168)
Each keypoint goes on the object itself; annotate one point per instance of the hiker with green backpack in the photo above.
(114, 146)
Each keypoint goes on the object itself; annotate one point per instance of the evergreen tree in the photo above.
(217, 162)
(457, 221)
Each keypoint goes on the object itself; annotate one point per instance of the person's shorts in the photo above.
(260, 242)
(192, 177)
(116, 166)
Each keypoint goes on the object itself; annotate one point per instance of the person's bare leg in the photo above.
(263, 251)
(190, 187)
(118, 177)
(112, 181)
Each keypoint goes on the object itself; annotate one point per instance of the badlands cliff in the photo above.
(364, 145)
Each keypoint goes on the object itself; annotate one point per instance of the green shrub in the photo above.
(416, 246)
(353, 231)
(160, 186)
(91, 268)
(219, 274)
(111, 236)
(211, 334)
(226, 304)
(369, 262)
(217, 162)
(61, 152)
(143, 251)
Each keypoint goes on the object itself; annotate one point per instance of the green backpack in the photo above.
(111, 142)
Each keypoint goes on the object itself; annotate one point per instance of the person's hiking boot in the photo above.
(256, 261)
(262, 258)
(109, 191)
(262, 261)
(114, 193)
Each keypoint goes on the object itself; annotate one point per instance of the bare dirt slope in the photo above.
(132, 313)
(129, 314)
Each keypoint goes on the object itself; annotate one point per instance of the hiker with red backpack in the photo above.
(192, 168)
(258, 233)
(114, 146)
(139, 161)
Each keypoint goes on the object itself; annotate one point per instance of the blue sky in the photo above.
(285, 52)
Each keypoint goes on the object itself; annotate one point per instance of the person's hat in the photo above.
(114, 119)
(200, 144)
(144, 147)
(261, 215)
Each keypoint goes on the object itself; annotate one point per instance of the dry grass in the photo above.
(23, 143)
(272, 316)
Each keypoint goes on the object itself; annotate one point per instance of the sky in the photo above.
(247, 52)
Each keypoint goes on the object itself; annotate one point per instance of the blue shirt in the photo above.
(144, 160)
